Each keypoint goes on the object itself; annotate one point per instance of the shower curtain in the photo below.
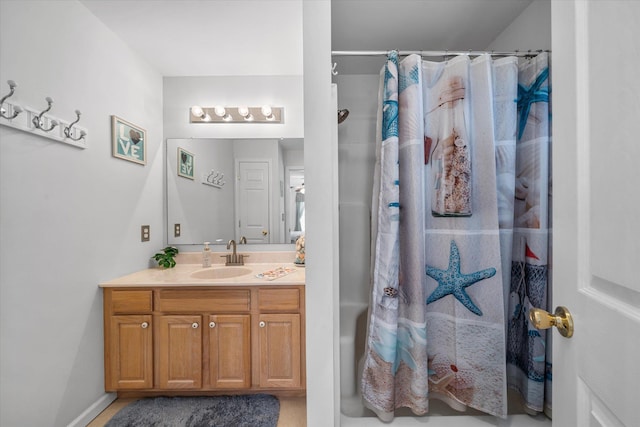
(447, 189)
(395, 373)
(299, 223)
(528, 349)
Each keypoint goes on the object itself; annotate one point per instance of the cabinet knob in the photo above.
(262, 324)
(194, 325)
(144, 325)
(212, 324)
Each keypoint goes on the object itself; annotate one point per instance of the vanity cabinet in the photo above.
(179, 352)
(229, 352)
(130, 361)
(204, 339)
(280, 349)
(129, 349)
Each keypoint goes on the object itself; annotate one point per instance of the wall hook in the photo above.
(68, 132)
(333, 69)
(37, 120)
(214, 178)
(16, 108)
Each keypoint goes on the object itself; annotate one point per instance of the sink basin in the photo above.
(220, 272)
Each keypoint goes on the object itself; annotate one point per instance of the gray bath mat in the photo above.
(255, 410)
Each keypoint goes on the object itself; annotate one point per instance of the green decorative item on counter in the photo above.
(166, 257)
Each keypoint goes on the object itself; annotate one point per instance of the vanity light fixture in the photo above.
(242, 114)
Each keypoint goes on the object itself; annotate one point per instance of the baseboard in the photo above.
(93, 411)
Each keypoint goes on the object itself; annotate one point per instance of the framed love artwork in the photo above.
(185, 163)
(129, 142)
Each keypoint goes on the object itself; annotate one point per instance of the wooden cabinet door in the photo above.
(280, 352)
(130, 353)
(179, 352)
(229, 351)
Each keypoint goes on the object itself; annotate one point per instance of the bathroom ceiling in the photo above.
(209, 37)
(253, 37)
(453, 25)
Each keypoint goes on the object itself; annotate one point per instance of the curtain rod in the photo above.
(436, 52)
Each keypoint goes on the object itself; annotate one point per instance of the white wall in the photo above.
(69, 218)
(321, 200)
(530, 30)
(294, 158)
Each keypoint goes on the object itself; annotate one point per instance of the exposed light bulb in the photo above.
(220, 111)
(197, 111)
(266, 111)
(243, 111)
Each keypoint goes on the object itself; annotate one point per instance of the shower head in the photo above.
(342, 115)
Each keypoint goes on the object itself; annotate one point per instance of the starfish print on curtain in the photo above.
(452, 282)
(527, 96)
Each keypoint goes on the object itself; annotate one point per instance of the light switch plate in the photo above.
(176, 230)
(145, 233)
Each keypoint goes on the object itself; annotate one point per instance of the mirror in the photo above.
(223, 189)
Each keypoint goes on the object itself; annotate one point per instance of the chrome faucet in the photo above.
(234, 258)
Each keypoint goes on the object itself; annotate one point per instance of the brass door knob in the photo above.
(561, 319)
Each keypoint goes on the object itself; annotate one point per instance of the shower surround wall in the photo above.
(356, 153)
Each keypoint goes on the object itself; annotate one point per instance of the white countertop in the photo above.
(181, 275)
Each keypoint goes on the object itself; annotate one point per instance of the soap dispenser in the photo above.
(206, 255)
